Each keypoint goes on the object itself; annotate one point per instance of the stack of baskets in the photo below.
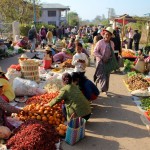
(29, 69)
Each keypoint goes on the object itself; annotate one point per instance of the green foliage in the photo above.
(85, 39)
(127, 65)
(73, 19)
(47, 26)
(105, 23)
(24, 28)
(18, 10)
(145, 103)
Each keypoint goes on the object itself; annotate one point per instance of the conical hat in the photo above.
(23, 56)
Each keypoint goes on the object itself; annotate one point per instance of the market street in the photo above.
(115, 122)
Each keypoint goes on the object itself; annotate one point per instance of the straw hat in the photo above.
(54, 47)
(64, 50)
(1, 71)
(47, 49)
(23, 56)
(109, 29)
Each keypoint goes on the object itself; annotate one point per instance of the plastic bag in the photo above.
(140, 66)
(12, 74)
(23, 87)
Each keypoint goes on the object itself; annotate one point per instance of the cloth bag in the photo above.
(120, 61)
(75, 130)
(140, 66)
(111, 64)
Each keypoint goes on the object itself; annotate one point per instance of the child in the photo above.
(48, 59)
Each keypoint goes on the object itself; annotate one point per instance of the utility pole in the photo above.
(34, 12)
(108, 14)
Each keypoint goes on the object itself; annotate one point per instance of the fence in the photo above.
(6, 31)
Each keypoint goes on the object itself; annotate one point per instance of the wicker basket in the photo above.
(29, 69)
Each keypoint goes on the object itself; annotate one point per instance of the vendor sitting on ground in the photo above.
(48, 59)
(88, 88)
(5, 126)
(7, 92)
(75, 102)
(62, 56)
(71, 45)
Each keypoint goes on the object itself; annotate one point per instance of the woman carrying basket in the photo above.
(105, 60)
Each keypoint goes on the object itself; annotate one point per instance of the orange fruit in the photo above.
(45, 111)
(44, 118)
(57, 129)
(40, 111)
(33, 117)
(61, 132)
(50, 122)
(38, 117)
(51, 118)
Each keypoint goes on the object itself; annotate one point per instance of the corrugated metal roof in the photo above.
(54, 5)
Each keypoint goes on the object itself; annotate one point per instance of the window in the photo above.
(51, 13)
(52, 22)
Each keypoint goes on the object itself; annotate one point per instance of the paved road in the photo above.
(115, 123)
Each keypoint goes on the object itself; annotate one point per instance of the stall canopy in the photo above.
(125, 19)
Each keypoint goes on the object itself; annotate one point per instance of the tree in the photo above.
(73, 19)
(103, 17)
(97, 20)
(19, 10)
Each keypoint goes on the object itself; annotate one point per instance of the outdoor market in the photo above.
(58, 84)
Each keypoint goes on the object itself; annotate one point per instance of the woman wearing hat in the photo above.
(7, 93)
(5, 107)
(103, 52)
(48, 59)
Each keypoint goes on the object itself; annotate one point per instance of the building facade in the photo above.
(55, 14)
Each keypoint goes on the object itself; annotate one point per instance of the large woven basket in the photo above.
(29, 69)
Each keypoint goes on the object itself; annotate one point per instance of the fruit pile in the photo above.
(61, 129)
(42, 99)
(128, 54)
(67, 64)
(37, 110)
(137, 82)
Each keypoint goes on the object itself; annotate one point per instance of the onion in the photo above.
(4, 132)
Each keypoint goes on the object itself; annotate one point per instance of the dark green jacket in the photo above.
(75, 101)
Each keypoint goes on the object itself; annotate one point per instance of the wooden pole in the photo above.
(123, 32)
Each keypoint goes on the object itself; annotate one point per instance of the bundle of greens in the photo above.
(127, 65)
(145, 103)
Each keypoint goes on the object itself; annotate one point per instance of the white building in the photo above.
(55, 14)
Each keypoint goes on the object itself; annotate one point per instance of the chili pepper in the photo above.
(33, 135)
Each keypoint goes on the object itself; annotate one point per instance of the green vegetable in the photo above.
(133, 73)
(145, 103)
(127, 65)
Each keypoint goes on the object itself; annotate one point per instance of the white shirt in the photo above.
(131, 34)
(79, 67)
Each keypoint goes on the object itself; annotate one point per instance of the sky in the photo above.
(89, 9)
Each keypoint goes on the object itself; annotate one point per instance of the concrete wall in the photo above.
(45, 18)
